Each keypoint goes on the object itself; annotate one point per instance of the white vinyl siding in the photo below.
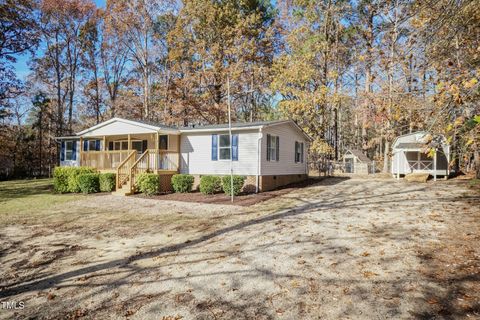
(118, 128)
(286, 164)
(196, 154)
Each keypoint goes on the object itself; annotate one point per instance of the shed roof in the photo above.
(410, 145)
(359, 154)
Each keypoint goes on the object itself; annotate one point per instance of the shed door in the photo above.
(349, 165)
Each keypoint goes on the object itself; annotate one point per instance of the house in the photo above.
(270, 154)
(355, 161)
(410, 155)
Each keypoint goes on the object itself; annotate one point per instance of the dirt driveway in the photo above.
(342, 249)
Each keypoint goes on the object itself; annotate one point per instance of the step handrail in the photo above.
(133, 169)
(121, 165)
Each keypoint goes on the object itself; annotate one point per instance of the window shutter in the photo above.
(268, 147)
(214, 147)
(301, 152)
(62, 151)
(85, 145)
(97, 145)
(278, 148)
(74, 150)
(235, 147)
(144, 145)
(296, 148)
(110, 145)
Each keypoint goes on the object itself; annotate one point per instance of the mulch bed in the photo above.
(240, 200)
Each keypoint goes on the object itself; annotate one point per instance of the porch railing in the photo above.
(104, 160)
(421, 165)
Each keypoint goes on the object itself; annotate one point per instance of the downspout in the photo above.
(259, 157)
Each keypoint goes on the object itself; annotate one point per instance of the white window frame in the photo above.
(69, 150)
(120, 143)
(160, 139)
(273, 148)
(298, 152)
(229, 147)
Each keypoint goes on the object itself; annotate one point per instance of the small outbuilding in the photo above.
(355, 161)
(410, 155)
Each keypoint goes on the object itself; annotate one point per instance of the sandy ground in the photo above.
(341, 249)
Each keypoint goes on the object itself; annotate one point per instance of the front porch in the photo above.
(107, 153)
(130, 155)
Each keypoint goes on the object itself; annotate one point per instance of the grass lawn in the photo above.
(30, 196)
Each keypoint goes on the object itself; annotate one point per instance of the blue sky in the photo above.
(21, 67)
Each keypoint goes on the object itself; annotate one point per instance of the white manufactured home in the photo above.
(270, 154)
(410, 156)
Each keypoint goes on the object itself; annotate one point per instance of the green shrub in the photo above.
(73, 184)
(60, 179)
(182, 182)
(148, 183)
(210, 184)
(89, 182)
(107, 182)
(65, 178)
(238, 182)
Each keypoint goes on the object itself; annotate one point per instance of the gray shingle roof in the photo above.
(234, 125)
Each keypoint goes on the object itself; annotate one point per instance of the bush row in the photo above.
(208, 184)
(88, 180)
(149, 184)
(82, 179)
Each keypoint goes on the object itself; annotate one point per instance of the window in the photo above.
(298, 151)
(123, 145)
(137, 145)
(91, 145)
(69, 150)
(273, 148)
(163, 143)
(120, 145)
(224, 147)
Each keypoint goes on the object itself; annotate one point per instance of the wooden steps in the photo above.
(125, 190)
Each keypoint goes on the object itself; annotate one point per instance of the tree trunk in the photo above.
(386, 159)
(476, 160)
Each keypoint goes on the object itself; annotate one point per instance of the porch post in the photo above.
(435, 165)
(80, 153)
(104, 152)
(129, 143)
(178, 153)
(157, 147)
(398, 165)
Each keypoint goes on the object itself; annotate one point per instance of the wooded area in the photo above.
(351, 73)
